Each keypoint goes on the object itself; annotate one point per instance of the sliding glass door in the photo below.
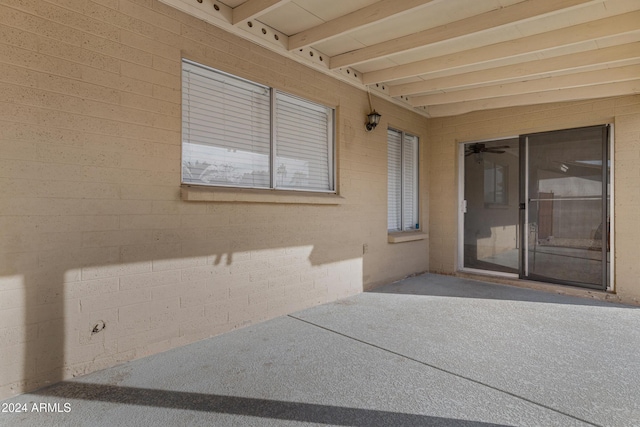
(537, 206)
(491, 186)
(564, 199)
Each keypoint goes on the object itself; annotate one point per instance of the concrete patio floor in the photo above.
(428, 350)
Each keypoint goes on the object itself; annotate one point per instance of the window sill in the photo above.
(410, 236)
(248, 195)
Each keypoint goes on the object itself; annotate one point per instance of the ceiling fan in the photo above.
(479, 148)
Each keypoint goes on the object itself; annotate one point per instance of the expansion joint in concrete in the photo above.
(446, 371)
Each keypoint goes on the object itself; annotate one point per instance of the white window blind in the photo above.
(243, 134)
(226, 131)
(394, 183)
(402, 181)
(409, 182)
(303, 149)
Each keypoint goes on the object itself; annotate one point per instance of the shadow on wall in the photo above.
(103, 289)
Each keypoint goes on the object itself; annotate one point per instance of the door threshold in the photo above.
(514, 280)
(489, 273)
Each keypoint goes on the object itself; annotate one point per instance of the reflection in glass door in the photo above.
(491, 186)
(564, 202)
(537, 206)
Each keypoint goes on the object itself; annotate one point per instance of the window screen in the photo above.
(402, 181)
(303, 154)
(226, 130)
(243, 134)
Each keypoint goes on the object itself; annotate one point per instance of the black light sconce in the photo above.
(373, 118)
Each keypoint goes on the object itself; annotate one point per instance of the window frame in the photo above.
(331, 175)
(504, 170)
(416, 224)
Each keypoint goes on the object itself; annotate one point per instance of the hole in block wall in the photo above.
(98, 327)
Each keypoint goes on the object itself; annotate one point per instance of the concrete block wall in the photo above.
(444, 134)
(101, 259)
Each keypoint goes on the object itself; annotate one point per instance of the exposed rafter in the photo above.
(253, 8)
(508, 15)
(380, 11)
(560, 95)
(220, 15)
(592, 58)
(589, 78)
(453, 60)
(590, 31)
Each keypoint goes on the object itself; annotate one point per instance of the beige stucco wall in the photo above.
(93, 228)
(446, 133)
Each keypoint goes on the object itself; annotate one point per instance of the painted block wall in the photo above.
(101, 259)
(623, 112)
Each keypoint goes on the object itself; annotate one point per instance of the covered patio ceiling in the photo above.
(448, 57)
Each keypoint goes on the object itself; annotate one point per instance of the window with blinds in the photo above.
(402, 181)
(241, 134)
(303, 157)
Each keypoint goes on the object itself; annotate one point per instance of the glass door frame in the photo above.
(608, 205)
(462, 209)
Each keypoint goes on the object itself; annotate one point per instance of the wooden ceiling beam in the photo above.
(576, 61)
(594, 30)
(251, 9)
(372, 14)
(561, 95)
(589, 78)
(495, 18)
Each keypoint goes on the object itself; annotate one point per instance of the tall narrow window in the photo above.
(402, 181)
(495, 183)
(237, 133)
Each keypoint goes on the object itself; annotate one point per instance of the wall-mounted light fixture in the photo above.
(373, 118)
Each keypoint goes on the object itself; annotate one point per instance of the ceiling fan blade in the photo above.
(467, 154)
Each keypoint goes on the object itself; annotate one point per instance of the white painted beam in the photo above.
(251, 9)
(599, 29)
(375, 13)
(605, 57)
(495, 18)
(590, 78)
(217, 13)
(560, 95)
(221, 16)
